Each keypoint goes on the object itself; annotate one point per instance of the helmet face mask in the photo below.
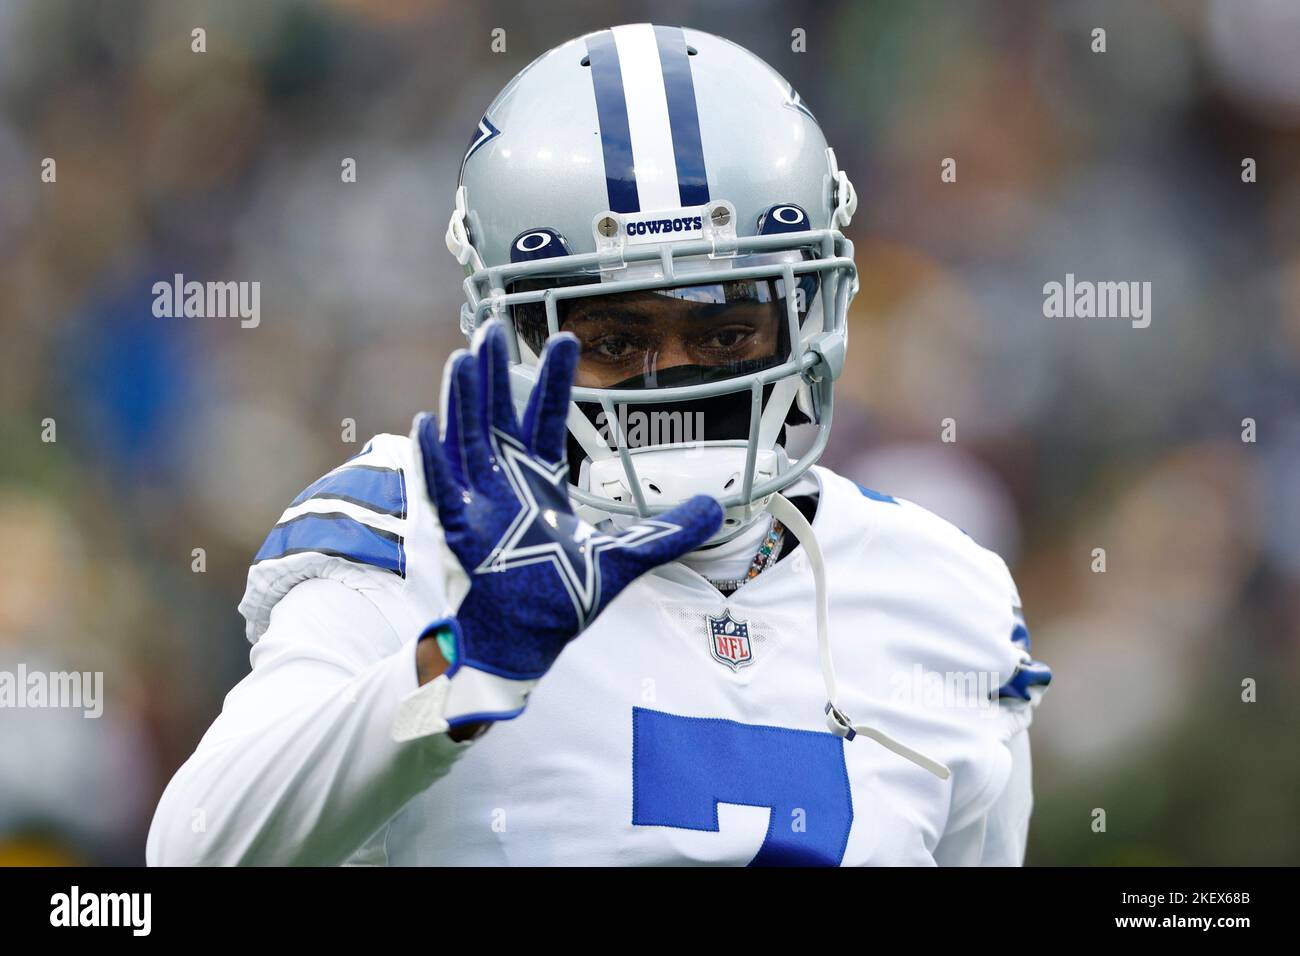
(682, 313)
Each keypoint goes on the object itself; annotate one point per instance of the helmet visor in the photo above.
(684, 335)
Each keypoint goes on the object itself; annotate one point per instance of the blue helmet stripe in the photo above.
(679, 88)
(338, 536)
(611, 109)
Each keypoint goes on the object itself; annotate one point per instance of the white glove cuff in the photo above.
(468, 696)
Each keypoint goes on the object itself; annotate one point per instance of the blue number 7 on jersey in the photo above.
(683, 767)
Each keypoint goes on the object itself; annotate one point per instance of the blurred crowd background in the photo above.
(1072, 434)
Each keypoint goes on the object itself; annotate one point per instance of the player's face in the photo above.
(637, 336)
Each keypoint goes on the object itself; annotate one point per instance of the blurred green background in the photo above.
(1072, 434)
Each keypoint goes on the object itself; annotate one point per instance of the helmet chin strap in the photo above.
(839, 722)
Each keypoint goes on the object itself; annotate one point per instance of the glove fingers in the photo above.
(443, 489)
(548, 406)
(695, 520)
(449, 413)
(465, 442)
(496, 408)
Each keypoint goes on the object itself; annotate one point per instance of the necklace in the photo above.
(770, 547)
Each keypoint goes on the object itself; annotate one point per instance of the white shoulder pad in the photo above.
(970, 567)
(963, 598)
(354, 525)
(973, 583)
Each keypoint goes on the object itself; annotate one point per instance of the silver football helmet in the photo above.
(667, 197)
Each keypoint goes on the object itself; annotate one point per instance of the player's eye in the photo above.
(613, 347)
(727, 340)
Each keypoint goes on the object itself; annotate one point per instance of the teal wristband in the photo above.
(446, 644)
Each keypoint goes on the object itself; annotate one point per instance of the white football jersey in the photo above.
(682, 727)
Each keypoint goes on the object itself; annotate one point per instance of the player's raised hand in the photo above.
(525, 575)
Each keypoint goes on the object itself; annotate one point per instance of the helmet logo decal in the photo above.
(533, 241)
(783, 217)
(485, 131)
(795, 101)
(649, 124)
(672, 224)
(541, 243)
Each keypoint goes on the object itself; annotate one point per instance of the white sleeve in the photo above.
(301, 767)
(998, 837)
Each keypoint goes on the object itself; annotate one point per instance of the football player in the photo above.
(587, 614)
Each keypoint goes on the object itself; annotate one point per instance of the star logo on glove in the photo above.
(539, 534)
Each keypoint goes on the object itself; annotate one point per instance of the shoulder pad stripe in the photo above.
(366, 449)
(1029, 674)
(338, 536)
(1020, 633)
(382, 490)
(876, 495)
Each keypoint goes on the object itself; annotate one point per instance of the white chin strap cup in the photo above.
(668, 475)
(839, 722)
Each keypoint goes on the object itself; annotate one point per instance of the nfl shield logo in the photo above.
(729, 641)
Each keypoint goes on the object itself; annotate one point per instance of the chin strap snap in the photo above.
(838, 721)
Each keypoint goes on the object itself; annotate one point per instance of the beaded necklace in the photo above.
(771, 546)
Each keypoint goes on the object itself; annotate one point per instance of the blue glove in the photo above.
(529, 575)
